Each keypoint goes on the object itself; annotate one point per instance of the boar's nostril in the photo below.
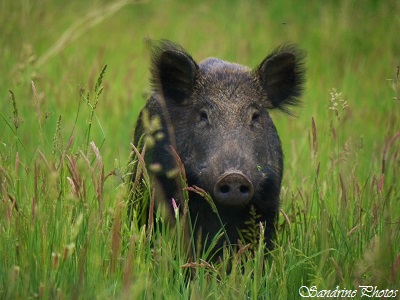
(244, 189)
(233, 188)
(224, 189)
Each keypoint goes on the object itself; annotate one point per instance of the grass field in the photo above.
(66, 128)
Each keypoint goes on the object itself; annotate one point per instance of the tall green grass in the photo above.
(66, 128)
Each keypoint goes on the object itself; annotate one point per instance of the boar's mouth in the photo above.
(233, 188)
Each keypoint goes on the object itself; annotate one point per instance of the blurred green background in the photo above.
(340, 190)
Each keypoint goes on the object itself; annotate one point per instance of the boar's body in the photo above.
(215, 115)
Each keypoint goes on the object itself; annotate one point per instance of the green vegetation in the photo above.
(66, 127)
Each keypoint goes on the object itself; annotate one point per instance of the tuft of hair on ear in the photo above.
(282, 76)
(173, 71)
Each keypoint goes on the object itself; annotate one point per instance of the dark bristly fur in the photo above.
(215, 114)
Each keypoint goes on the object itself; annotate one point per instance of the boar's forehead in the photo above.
(227, 85)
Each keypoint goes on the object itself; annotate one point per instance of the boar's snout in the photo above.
(233, 189)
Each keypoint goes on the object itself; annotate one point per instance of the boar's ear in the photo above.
(282, 76)
(173, 71)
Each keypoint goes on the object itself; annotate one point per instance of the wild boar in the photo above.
(214, 116)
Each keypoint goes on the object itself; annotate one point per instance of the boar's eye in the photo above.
(203, 116)
(255, 118)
